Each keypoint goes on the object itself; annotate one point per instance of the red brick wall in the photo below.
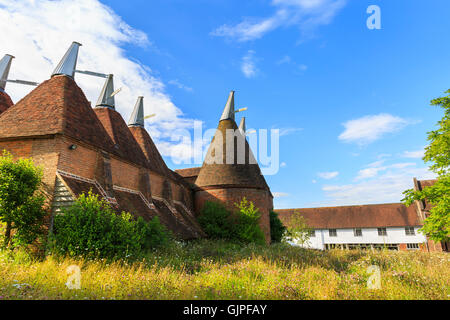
(156, 181)
(43, 153)
(124, 174)
(82, 161)
(260, 198)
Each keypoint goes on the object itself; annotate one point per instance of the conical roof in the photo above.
(121, 135)
(220, 169)
(154, 159)
(5, 102)
(56, 106)
(136, 125)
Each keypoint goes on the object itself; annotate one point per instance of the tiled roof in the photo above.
(243, 175)
(363, 216)
(189, 172)
(57, 106)
(421, 184)
(121, 135)
(154, 160)
(132, 202)
(5, 102)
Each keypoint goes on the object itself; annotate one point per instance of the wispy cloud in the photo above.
(38, 32)
(328, 175)
(179, 85)
(418, 154)
(307, 15)
(382, 184)
(248, 65)
(370, 128)
(297, 67)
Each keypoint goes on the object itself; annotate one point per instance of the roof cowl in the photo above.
(242, 127)
(137, 117)
(5, 66)
(228, 112)
(68, 63)
(106, 98)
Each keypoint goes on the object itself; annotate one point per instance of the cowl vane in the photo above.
(5, 66)
(106, 98)
(68, 63)
(137, 117)
(228, 112)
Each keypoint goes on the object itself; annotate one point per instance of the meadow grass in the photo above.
(219, 270)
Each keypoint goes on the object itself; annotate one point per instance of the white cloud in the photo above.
(418, 154)
(280, 194)
(283, 164)
(179, 85)
(370, 128)
(328, 175)
(39, 32)
(248, 65)
(380, 185)
(305, 14)
(374, 168)
(284, 60)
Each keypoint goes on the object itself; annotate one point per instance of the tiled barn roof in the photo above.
(189, 172)
(362, 216)
(5, 102)
(57, 106)
(121, 135)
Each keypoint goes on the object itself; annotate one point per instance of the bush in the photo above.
(277, 229)
(91, 228)
(21, 204)
(215, 221)
(242, 226)
(247, 224)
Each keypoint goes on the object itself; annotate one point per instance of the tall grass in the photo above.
(219, 270)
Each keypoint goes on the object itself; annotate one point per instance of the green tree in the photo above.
(298, 230)
(277, 229)
(21, 204)
(437, 225)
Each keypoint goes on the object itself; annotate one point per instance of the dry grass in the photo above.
(218, 270)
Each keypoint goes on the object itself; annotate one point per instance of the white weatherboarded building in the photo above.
(393, 226)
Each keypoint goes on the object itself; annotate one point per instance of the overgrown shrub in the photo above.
(247, 223)
(216, 221)
(277, 229)
(241, 226)
(21, 204)
(91, 228)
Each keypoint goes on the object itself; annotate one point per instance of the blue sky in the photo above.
(352, 103)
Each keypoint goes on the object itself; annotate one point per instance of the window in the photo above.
(312, 233)
(382, 232)
(409, 231)
(357, 232)
(333, 233)
(412, 246)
